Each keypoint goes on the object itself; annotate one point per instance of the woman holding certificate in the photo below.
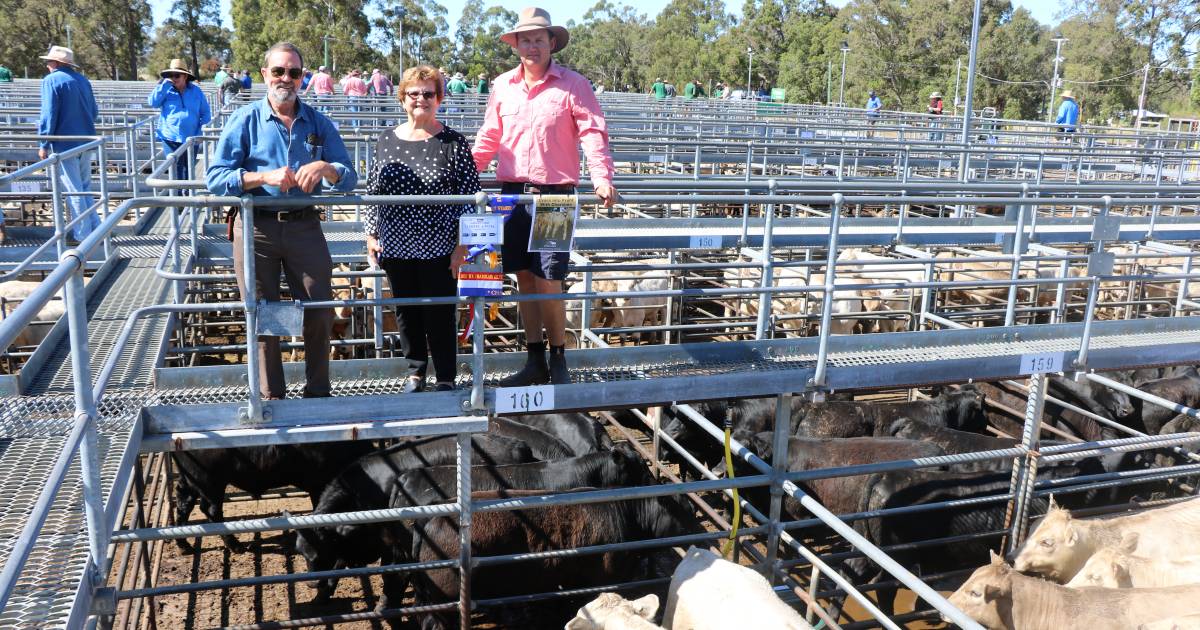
(417, 245)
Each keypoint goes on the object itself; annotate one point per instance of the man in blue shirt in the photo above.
(874, 106)
(281, 147)
(69, 109)
(184, 110)
(1068, 113)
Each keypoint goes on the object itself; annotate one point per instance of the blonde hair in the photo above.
(421, 74)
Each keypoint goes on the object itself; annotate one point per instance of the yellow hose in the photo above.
(727, 548)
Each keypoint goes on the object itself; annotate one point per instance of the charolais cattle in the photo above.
(1117, 567)
(1060, 545)
(204, 475)
(542, 529)
(580, 433)
(1185, 622)
(610, 611)
(710, 593)
(1000, 598)
(367, 485)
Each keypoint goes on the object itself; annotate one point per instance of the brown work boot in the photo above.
(535, 371)
(558, 366)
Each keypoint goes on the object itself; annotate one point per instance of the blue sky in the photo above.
(1043, 10)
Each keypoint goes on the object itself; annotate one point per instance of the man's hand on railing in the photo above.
(42, 154)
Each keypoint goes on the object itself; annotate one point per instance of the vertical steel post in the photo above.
(464, 528)
(253, 413)
(480, 306)
(85, 406)
(103, 209)
(56, 204)
(818, 379)
(1025, 467)
(964, 161)
(764, 298)
(1018, 245)
(779, 459)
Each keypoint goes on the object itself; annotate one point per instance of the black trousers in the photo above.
(426, 330)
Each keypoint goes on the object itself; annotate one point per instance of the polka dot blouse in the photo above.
(441, 165)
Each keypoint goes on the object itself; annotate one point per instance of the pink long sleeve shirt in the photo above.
(321, 83)
(534, 131)
(354, 86)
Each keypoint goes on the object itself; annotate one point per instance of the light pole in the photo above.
(400, 13)
(749, 68)
(68, 27)
(328, 25)
(829, 83)
(1058, 40)
(1142, 96)
(842, 81)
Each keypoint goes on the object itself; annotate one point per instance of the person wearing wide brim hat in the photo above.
(177, 66)
(1068, 113)
(1068, 94)
(61, 54)
(535, 19)
(183, 111)
(69, 110)
(541, 156)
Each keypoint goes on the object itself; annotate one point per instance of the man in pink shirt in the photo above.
(380, 82)
(354, 85)
(321, 84)
(538, 114)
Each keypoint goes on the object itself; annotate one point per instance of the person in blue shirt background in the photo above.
(1068, 113)
(247, 83)
(874, 106)
(183, 111)
(281, 147)
(69, 109)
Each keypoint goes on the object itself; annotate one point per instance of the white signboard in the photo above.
(1041, 363)
(524, 399)
(704, 242)
(480, 229)
(26, 187)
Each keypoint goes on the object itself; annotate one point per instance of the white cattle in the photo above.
(622, 312)
(709, 593)
(1060, 545)
(1186, 622)
(610, 611)
(12, 293)
(1000, 598)
(1117, 567)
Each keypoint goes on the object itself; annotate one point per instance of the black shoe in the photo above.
(535, 371)
(308, 394)
(443, 387)
(558, 366)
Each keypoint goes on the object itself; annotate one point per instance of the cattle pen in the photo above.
(759, 251)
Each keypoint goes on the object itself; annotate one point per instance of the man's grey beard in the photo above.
(281, 95)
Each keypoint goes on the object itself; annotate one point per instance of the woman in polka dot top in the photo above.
(417, 245)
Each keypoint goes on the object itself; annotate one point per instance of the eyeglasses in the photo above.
(293, 73)
(416, 94)
(172, 75)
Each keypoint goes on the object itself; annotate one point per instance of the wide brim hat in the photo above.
(458, 75)
(1068, 94)
(177, 65)
(61, 54)
(936, 95)
(535, 19)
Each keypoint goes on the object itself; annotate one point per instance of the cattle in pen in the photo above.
(1118, 567)
(710, 593)
(12, 294)
(631, 310)
(1000, 598)
(610, 611)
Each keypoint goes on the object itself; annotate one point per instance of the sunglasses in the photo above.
(173, 75)
(293, 73)
(416, 94)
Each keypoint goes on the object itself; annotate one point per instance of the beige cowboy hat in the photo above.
(61, 54)
(458, 75)
(535, 19)
(177, 65)
(1068, 94)
(936, 95)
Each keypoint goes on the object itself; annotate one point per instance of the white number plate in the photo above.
(524, 399)
(704, 242)
(480, 229)
(26, 187)
(1041, 363)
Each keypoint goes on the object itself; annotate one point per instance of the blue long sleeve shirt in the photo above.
(68, 108)
(1068, 114)
(181, 115)
(255, 139)
(874, 105)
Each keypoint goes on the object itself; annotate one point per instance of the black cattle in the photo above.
(955, 442)
(204, 475)
(580, 433)
(1096, 398)
(620, 467)
(542, 529)
(749, 416)
(1183, 389)
(367, 485)
(962, 410)
(545, 447)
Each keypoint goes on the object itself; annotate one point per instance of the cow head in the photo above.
(596, 614)
(320, 555)
(1053, 549)
(986, 596)
(1108, 568)
(1117, 402)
